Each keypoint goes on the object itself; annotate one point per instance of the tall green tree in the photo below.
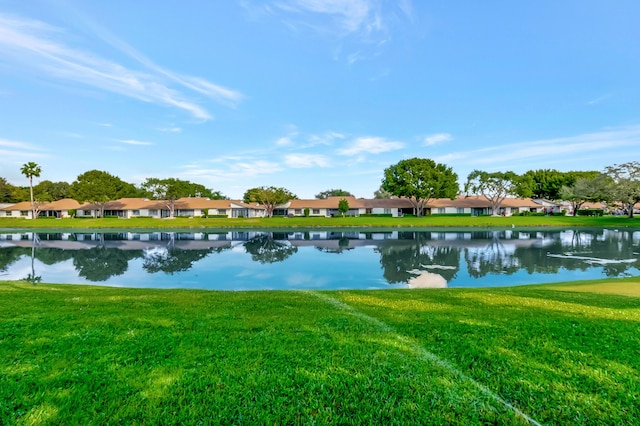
(419, 180)
(7, 192)
(171, 189)
(587, 189)
(31, 170)
(343, 206)
(269, 197)
(333, 193)
(381, 194)
(626, 189)
(51, 191)
(547, 183)
(495, 187)
(98, 187)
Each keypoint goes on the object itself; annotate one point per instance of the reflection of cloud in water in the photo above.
(592, 260)
(253, 274)
(305, 281)
(438, 267)
(426, 280)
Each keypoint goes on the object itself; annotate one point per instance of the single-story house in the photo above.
(468, 205)
(549, 206)
(21, 209)
(183, 207)
(478, 205)
(323, 207)
(59, 208)
(198, 206)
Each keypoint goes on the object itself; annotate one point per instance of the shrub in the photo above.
(306, 212)
(376, 215)
(590, 212)
(72, 212)
(205, 212)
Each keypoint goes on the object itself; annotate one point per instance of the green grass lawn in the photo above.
(554, 354)
(301, 222)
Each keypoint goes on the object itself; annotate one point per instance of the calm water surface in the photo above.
(319, 259)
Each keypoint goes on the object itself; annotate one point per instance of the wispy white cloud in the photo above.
(134, 142)
(13, 154)
(437, 138)
(370, 145)
(368, 22)
(599, 99)
(303, 161)
(326, 138)
(570, 151)
(18, 145)
(170, 129)
(289, 138)
(350, 15)
(255, 168)
(72, 135)
(36, 46)
(284, 141)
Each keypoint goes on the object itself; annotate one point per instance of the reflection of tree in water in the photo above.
(32, 277)
(101, 263)
(51, 256)
(573, 250)
(623, 245)
(343, 245)
(10, 255)
(581, 250)
(171, 260)
(494, 257)
(412, 252)
(264, 248)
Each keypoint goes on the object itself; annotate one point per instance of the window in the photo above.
(441, 210)
(153, 212)
(460, 210)
(7, 213)
(316, 211)
(222, 211)
(387, 211)
(298, 211)
(24, 213)
(136, 212)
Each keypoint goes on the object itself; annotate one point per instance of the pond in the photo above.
(319, 259)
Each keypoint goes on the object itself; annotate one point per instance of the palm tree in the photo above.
(31, 170)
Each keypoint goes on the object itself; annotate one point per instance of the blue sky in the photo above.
(315, 94)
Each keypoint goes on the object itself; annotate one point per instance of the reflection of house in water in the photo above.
(126, 240)
(406, 256)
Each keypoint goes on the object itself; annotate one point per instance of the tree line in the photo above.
(417, 179)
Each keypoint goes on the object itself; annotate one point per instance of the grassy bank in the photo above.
(298, 222)
(78, 355)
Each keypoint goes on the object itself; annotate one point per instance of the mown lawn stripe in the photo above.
(424, 353)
